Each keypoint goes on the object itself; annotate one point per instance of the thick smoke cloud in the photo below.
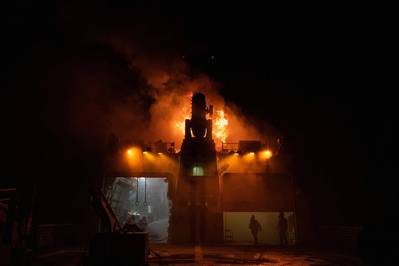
(171, 84)
(82, 78)
(131, 81)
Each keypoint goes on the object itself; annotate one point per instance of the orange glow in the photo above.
(148, 156)
(266, 154)
(220, 122)
(133, 152)
(181, 125)
(249, 156)
(220, 126)
(172, 110)
(183, 113)
(134, 158)
(179, 113)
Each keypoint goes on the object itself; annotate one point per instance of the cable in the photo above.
(137, 191)
(145, 191)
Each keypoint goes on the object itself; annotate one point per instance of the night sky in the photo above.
(313, 76)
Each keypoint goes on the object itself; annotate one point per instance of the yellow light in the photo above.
(133, 152)
(249, 157)
(134, 158)
(267, 154)
(160, 153)
(149, 156)
(236, 153)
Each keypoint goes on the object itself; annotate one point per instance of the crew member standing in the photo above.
(282, 228)
(255, 227)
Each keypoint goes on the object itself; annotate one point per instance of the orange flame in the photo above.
(220, 126)
(185, 113)
(180, 126)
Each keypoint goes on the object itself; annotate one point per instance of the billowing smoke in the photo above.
(120, 82)
(171, 85)
(88, 78)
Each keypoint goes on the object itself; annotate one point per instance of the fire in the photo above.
(181, 124)
(220, 122)
(220, 126)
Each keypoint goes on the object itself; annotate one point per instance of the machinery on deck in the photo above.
(117, 245)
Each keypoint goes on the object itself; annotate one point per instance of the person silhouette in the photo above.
(255, 227)
(282, 228)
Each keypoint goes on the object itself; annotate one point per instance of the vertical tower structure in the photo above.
(198, 155)
(197, 217)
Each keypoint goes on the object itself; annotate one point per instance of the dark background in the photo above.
(316, 73)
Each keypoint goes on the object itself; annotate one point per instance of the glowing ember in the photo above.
(220, 126)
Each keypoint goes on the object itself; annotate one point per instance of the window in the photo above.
(198, 171)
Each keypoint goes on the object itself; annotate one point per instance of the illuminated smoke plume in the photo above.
(136, 91)
(171, 85)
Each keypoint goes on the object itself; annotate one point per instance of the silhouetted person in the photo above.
(282, 229)
(255, 227)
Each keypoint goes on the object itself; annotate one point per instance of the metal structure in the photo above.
(117, 246)
(196, 207)
(205, 184)
(198, 148)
